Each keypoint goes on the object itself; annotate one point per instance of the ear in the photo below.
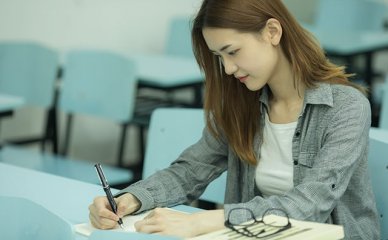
(274, 30)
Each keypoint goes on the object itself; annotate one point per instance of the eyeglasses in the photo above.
(267, 226)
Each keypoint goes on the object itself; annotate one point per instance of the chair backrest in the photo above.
(179, 38)
(23, 219)
(171, 131)
(28, 70)
(383, 121)
(351, 14)
(378, 167)
(98, 83)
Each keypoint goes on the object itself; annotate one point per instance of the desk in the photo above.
(8, 103)
(168, 73)
(56, 165)
(350, 43)
(64, 197)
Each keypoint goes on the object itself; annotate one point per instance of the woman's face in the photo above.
(250, 57)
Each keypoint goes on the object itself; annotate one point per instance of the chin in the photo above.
(253, 88)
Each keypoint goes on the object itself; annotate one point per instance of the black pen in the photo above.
(109, 195)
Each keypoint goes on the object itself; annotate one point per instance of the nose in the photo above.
(230, 67)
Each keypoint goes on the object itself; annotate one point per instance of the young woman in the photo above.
(286, 124)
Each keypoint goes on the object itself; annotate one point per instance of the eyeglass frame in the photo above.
(243, 229)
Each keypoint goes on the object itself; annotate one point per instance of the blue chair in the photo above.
(383, 121)
(350, 15)
(179, 44)
(171, 131)
(100, 84)
(29, 70)
(378, 167)
(23, 219)
(179, 38)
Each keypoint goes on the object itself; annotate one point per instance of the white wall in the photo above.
(303, 10)
(125, 26)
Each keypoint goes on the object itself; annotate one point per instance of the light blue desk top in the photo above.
(64, 197)
(9, 102)
(166, 70)
(69, 168)
(348, 42)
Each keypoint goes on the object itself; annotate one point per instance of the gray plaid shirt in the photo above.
(331, 181)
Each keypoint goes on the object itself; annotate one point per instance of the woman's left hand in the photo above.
(174, 223)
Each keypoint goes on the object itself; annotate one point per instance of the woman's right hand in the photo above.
(101, 215)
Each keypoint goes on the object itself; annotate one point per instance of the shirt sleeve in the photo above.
(186, 178)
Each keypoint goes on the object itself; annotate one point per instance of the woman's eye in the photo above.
(233, 52)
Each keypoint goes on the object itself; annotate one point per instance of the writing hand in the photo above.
(101, 215)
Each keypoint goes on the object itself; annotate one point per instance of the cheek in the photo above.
(257, 64)
(264, 62)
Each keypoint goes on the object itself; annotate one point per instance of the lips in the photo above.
(242, 79)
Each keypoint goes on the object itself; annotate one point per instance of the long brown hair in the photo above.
(231, 109)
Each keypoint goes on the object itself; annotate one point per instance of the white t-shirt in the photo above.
(274, 173)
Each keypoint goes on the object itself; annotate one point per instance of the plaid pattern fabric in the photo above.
(331, 179)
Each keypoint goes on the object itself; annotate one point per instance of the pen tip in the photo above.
(122, 226)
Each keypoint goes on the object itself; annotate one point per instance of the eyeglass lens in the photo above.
(267, 226)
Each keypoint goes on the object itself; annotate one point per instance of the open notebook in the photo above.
(128, 221)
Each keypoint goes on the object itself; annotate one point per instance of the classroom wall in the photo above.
(122, 25)
(303, 10)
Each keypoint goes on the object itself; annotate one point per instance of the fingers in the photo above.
(102, 223)
(100, 214)
(152, 223)
(149, 225)
(127, 204)
(122, 207)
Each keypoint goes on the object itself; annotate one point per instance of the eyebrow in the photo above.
(223, 48)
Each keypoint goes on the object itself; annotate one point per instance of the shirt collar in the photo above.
(320, 94)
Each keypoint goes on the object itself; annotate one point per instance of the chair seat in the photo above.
(69, 168)
(10, 102)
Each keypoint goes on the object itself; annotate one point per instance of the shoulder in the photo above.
(344, 94)
(348, 100)
(336, 97)
(349, 105)
(332, 104)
